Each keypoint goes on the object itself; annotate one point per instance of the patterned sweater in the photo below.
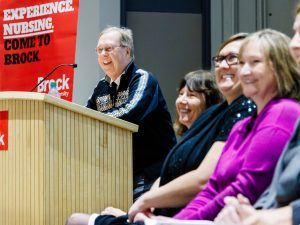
(139, 100)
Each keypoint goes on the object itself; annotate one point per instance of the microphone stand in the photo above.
(60, 65)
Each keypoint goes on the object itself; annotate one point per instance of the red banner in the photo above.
(37, 36)
(3, 130)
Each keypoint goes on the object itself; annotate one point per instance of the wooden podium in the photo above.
(61, 158)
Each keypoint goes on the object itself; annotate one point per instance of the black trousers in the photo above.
(111, 220)
(141, 184)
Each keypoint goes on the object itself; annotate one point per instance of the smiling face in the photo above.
(226, 75)
(189, 105)
(113, 57)
(295, 42)
(257, 75)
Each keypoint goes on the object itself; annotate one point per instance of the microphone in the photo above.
(55, 68)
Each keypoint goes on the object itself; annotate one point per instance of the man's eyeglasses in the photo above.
(231, 59)
(108, 49)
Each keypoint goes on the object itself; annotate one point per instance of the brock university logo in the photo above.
(3, 130)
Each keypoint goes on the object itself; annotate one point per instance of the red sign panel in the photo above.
(3, 130)
(35, 37)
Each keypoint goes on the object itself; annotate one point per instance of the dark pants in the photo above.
(141, 184)
(111, 220)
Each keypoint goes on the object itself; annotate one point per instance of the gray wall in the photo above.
(168, 45)
(232, 16)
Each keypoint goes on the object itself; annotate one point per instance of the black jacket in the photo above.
(139, 100)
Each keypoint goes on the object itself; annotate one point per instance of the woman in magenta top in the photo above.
(269, 77)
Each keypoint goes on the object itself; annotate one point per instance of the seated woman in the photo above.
(182, 177)
(189, 165)
(280, 203)
(269, 76)
(197, 91)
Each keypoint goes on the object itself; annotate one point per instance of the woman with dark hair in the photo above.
(197, 91)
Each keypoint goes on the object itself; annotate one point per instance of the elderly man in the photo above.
(133, 94)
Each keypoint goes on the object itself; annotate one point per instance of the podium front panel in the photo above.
(61, 161)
